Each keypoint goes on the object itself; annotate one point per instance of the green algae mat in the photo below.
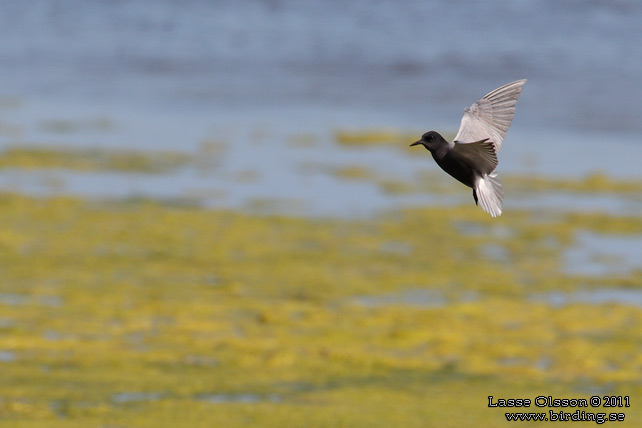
(144, 314)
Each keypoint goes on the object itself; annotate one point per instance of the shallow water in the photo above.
(427, 298)
(7, 356)
(291, 179)
(393, 57)
(598, 254)
(238, 398)
(14, 299)
(622, 296)
(115, 75)
(133, 397)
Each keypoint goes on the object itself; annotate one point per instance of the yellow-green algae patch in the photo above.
(379, 137)
(63, 126)
(83, 159)
(140, 314)
(353, 172)
(373, 137)
(431, 181)
(593, 182)
(303, 140)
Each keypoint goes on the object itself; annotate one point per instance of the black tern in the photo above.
(471, 157)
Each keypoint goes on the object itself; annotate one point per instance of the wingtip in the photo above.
(517, 82)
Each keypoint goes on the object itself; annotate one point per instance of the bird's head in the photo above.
(431, 140)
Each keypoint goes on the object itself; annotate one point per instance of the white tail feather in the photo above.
(489, 193)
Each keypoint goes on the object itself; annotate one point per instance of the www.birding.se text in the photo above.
(561, 416)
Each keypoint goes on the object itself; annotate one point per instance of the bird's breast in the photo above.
(459, 167)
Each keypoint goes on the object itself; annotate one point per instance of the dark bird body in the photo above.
(471, 157)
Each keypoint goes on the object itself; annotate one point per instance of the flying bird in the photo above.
(471, 157)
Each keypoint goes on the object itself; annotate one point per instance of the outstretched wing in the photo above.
(490, 117)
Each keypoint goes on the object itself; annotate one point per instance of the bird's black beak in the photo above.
(416, 143)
